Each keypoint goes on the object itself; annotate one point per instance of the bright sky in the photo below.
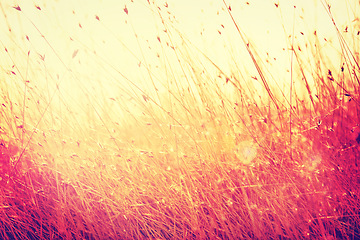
(90, 55)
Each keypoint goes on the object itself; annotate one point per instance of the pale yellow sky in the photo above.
(261, 21)
(82, 52)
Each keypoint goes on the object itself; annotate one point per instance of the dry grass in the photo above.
(214, 156)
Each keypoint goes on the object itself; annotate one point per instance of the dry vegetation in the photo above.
(214, 156)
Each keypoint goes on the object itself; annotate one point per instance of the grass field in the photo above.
(110, 135)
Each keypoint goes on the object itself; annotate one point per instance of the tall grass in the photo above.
(195, 152)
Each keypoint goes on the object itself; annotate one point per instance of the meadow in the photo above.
(119, 122)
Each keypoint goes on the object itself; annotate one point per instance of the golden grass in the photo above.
(208, 157)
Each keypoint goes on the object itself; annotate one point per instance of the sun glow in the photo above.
(179, 119)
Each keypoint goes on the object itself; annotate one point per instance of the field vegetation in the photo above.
(183, 146)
